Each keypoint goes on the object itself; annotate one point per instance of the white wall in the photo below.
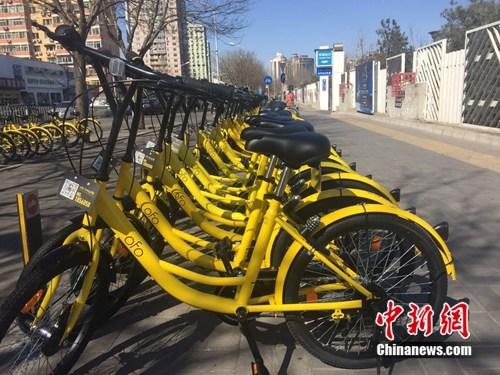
(323, 93)
(452, 84)
(381, 89)
(337, 71)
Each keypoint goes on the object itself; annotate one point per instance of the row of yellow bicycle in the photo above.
(23, 137)
(285, 227)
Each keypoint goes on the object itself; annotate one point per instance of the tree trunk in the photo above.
(82, 101)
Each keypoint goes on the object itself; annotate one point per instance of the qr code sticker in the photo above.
(69, 189)
(139, 157)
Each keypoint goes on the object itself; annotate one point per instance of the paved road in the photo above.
(443, 178)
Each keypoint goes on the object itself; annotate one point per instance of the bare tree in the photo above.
(242, 68)
(153, 16)
(82, 15)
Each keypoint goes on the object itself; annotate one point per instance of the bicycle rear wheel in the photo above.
(394, 258)
(31, 344)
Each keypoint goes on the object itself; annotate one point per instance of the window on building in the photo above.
(94, 44)
(43, 98)
(94, 30)
(55, 97)
(64, 59)
(47, 21)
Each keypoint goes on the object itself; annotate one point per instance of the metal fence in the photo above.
(20, 113)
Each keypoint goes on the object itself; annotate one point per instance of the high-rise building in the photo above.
(19, 39)
(278, 65)
(198, 52)
(15, 34)
(169, 52)
(299, 70)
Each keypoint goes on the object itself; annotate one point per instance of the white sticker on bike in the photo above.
(139, 157)
(69, 189)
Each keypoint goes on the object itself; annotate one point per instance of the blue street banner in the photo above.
(324, 71)
(365, 96)
(324, 57)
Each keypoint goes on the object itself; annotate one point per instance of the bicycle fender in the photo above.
(361, 209)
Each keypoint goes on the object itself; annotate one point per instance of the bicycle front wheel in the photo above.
(32, 320)
(394, 259)
(7, 147)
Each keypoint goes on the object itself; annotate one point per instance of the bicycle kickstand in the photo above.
(258, 367)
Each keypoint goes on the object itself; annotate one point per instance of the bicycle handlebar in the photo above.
(68, 37)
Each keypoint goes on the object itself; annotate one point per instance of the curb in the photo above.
(466, 132)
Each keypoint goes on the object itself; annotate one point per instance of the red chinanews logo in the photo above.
(451, 319)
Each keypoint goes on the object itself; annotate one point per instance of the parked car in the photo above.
(151, 107)
(60, 108)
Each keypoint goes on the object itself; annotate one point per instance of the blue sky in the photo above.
(300, 26)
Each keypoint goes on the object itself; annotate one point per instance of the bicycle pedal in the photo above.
(369, 176)
(353, 165)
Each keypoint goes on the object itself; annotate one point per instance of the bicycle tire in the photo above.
(302, 328)
(33, 140)
(92, 132)
(16, 313)
(71, 135)
(23, 146)
(46, 142)
(56, 134)
(7, 147)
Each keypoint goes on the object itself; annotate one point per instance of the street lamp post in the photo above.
(216, 51)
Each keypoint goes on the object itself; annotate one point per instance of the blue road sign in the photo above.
(324, 71)
(324, 57)
(268, 80)
(365, 85)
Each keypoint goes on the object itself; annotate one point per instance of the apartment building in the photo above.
(198, 52)
(15, 34)
(169, 52)
(278, 65)
(28, 81)
(300, 70)
(19, 39)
